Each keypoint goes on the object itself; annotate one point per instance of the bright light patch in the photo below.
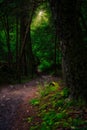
(41, 18)
(40, 13)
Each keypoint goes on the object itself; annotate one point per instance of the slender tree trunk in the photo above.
(17, 43)
(30, 57)
(8, 41)
(55, 50)
(26, 53)
(18, 72)
(26, 46)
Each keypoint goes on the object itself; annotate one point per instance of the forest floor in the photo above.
(14, 103)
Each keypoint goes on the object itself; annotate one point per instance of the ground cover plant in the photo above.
(57, 111)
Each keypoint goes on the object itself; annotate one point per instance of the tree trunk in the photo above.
(8, 41)
(22, 34)
(72, 46)
(26, 46)
(18, 72)
(17, 39)
(30, 57)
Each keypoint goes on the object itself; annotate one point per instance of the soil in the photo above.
(14, 103)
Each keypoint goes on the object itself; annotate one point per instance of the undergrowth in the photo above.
(57, 111)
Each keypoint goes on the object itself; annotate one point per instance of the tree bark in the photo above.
(26, 54)
(73, 48)
(8, 41)
(18, 72)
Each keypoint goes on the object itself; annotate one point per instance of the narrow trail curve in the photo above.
(14, 103)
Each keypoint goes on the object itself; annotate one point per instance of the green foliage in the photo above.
(43, 38)
(42, 42)
(45, 65)
(41, 17)
(57, 111)
(29, 119)
(34, 101)
(3, 48)
(48, 88)
(42, 34)
(1, 1)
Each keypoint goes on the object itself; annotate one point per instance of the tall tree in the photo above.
(26, 55)
(4, 10)
(73, 48)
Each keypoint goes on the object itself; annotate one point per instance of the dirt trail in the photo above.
(14, 103)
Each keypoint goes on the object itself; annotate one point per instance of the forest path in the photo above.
(14, 103)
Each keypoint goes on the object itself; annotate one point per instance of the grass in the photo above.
(57, 111)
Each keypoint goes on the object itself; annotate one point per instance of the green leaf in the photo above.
(34, 101)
